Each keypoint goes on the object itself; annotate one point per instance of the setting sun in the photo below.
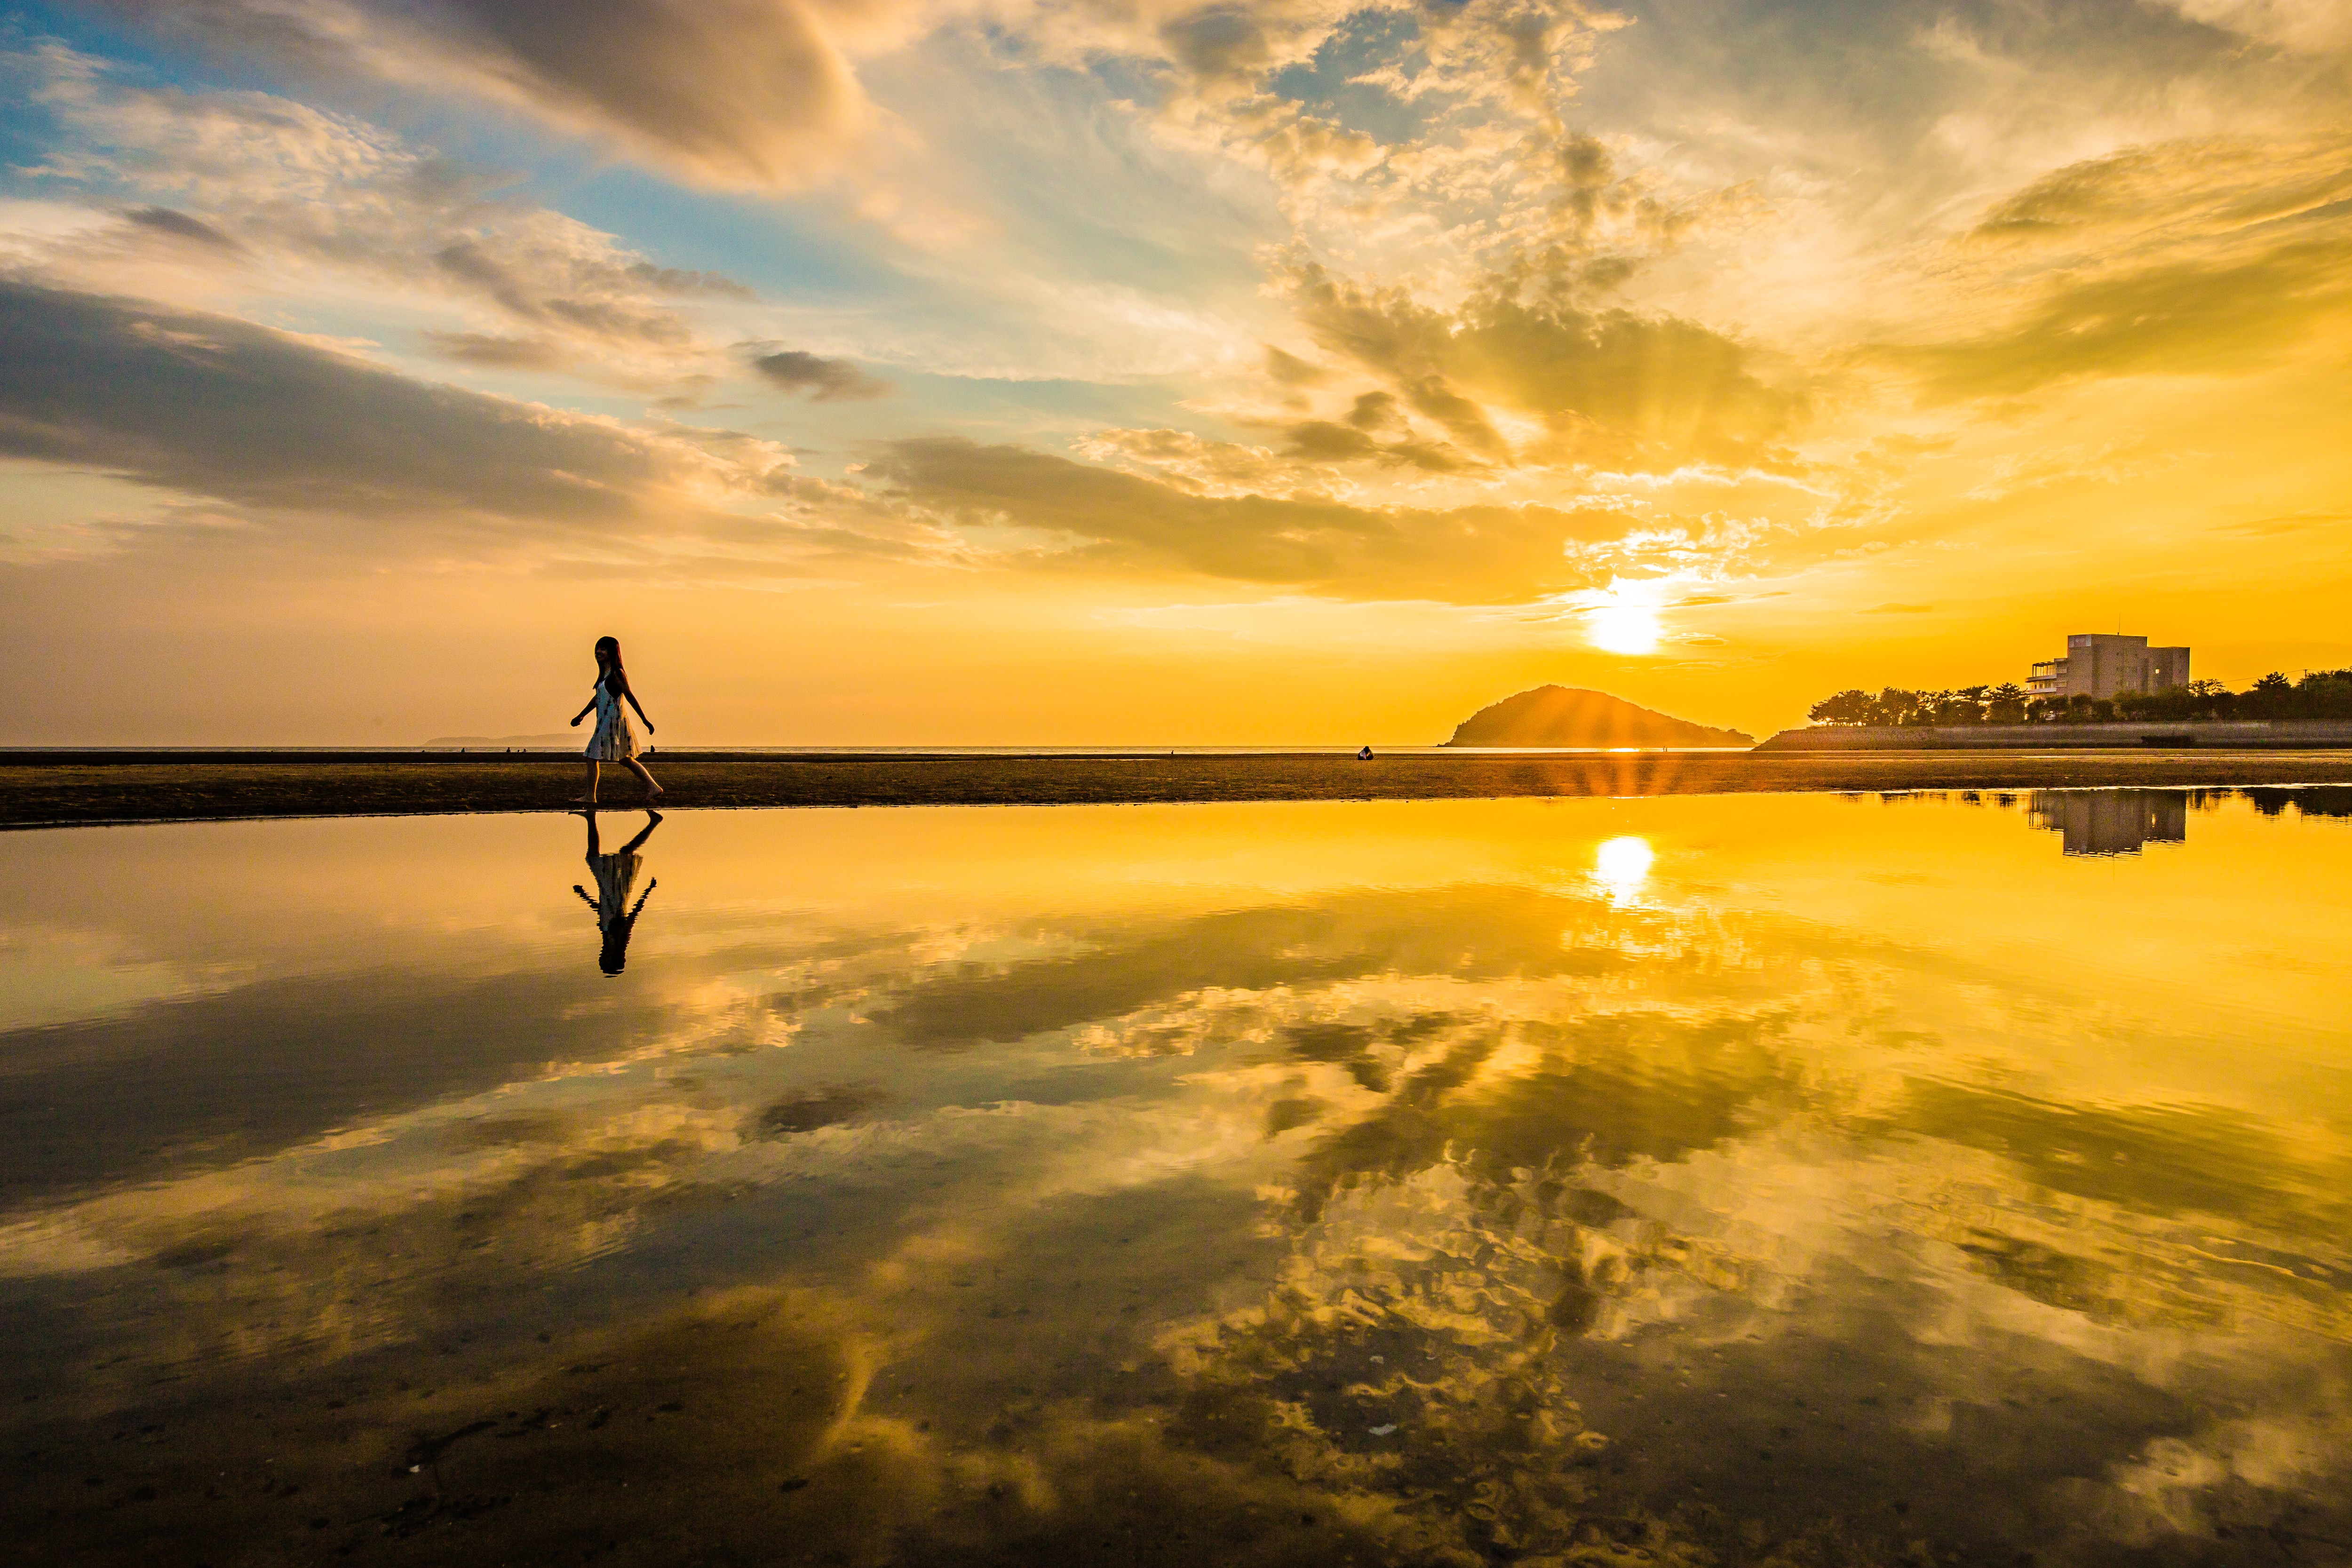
(1623, 619)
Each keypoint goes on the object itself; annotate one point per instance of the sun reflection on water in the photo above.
(1621, 865)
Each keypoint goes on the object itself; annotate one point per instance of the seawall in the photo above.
(2300, 735)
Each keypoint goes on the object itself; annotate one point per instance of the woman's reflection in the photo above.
(615, 874)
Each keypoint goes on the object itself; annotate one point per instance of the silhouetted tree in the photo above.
(1851, 707)
(2319, 694)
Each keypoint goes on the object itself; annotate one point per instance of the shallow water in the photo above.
(1721, 1179)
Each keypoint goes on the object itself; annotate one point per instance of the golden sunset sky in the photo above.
(1071, 371)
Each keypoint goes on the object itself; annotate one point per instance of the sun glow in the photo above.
(1623, 619)
(1621, 865)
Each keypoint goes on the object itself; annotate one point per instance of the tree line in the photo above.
(2320, 694)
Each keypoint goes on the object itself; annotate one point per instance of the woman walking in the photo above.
(614, 741)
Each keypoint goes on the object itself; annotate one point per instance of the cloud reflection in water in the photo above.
(1278, 1182)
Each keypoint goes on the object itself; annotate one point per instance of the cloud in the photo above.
(1442, 120)
(2205, 257)
(1302, 469)
(495, 352)
(2174, 318)
(2304, 26)
(2266, 526)
(180, 225)
(1465, 554)
(2173, 193)
(1291, 371)
(824, 380)
(1322, 441)
(1612, 386)
(246, 176)
(209, 406)
(1200, 464)
(755, 94)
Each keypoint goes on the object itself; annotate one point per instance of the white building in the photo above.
(2098, 664)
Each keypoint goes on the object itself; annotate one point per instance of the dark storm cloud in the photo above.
(824, 380)
(1468, 554)
(213, 406)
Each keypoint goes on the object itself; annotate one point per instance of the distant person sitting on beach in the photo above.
(1365, 755)
(614, 873)
(614, 741)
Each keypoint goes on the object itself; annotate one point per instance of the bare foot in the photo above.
(655, 793)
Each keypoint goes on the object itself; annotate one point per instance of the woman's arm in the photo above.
(583, 712)
(630, 692)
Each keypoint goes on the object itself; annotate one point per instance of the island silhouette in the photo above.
(1573, 716)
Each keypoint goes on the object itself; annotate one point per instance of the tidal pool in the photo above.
(1718, 1180)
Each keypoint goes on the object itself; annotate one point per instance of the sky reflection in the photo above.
(1418, 1183)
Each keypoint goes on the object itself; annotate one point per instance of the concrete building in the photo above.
(2110, 821)
(2100, 665)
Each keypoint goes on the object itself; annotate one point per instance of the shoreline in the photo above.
(62, 789)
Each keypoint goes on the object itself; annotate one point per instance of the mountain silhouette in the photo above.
(1572, 715)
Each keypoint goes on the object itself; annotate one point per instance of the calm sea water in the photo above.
(1707, 1180)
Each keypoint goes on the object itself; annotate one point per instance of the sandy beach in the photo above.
(58, 789)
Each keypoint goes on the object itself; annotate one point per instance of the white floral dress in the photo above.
(615, 740)
(616, 875)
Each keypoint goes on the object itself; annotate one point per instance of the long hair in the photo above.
(615, 954)
(608, 659)
(618, 929)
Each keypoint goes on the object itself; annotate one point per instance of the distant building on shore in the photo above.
(2098, 664)
(2110, 821)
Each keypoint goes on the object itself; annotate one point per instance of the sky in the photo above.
(1110, 371)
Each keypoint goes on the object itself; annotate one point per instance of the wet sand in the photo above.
(68, 788)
